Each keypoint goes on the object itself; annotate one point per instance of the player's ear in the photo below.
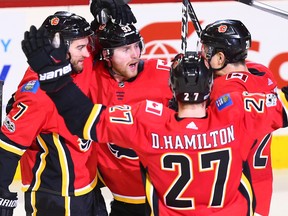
(221, 58)
(106, 56)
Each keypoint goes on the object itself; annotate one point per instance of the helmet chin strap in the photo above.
(217, 69)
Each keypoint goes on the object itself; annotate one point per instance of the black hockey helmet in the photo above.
(190, 79)
(228, 36)
(114, 35)
(69, 25)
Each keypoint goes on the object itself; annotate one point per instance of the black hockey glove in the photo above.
(49, 61)
(118, 10)
(8, 202)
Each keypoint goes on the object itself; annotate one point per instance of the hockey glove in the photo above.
(49, 61)
(120, 12)
(8, 202)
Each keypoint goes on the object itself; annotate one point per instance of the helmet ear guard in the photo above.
(190, 79)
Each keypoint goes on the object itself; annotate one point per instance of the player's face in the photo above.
(78, 52)
(125, 60)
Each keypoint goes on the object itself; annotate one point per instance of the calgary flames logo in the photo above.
(222, 28)
(54, 21)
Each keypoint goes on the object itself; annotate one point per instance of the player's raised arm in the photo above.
(53, 67)
(117, 10)
(48, 58)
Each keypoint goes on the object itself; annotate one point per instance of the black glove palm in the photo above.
(49, 61)
(120, 12)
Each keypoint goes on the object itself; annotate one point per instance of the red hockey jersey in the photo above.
(119, 166)
(51, 156)
(259, 160)
(193, 165)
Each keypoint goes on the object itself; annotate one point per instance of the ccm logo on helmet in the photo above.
(54, 74)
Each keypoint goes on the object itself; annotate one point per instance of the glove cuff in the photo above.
(53, 73)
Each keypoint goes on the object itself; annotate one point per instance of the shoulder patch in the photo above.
(154, 107)
(31, 86)
(163, 65)
(224, 101)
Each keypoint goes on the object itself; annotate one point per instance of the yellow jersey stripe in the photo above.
(86, 189)
(42, 164)
(247, 185)
(11, 148)
(63, 164)
(92, 117)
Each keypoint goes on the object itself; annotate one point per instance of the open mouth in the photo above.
(133, 65)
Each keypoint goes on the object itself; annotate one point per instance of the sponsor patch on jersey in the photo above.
(236, 75)
(9, 124)
(154, 107)
(223, 101)
(31, 86)
(271, 100)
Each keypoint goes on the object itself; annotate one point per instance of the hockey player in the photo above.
(58, 178)
(123, 78)
(77, 173)
(192, 160)
(225, 46)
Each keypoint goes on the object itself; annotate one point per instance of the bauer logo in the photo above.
(55, 74)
